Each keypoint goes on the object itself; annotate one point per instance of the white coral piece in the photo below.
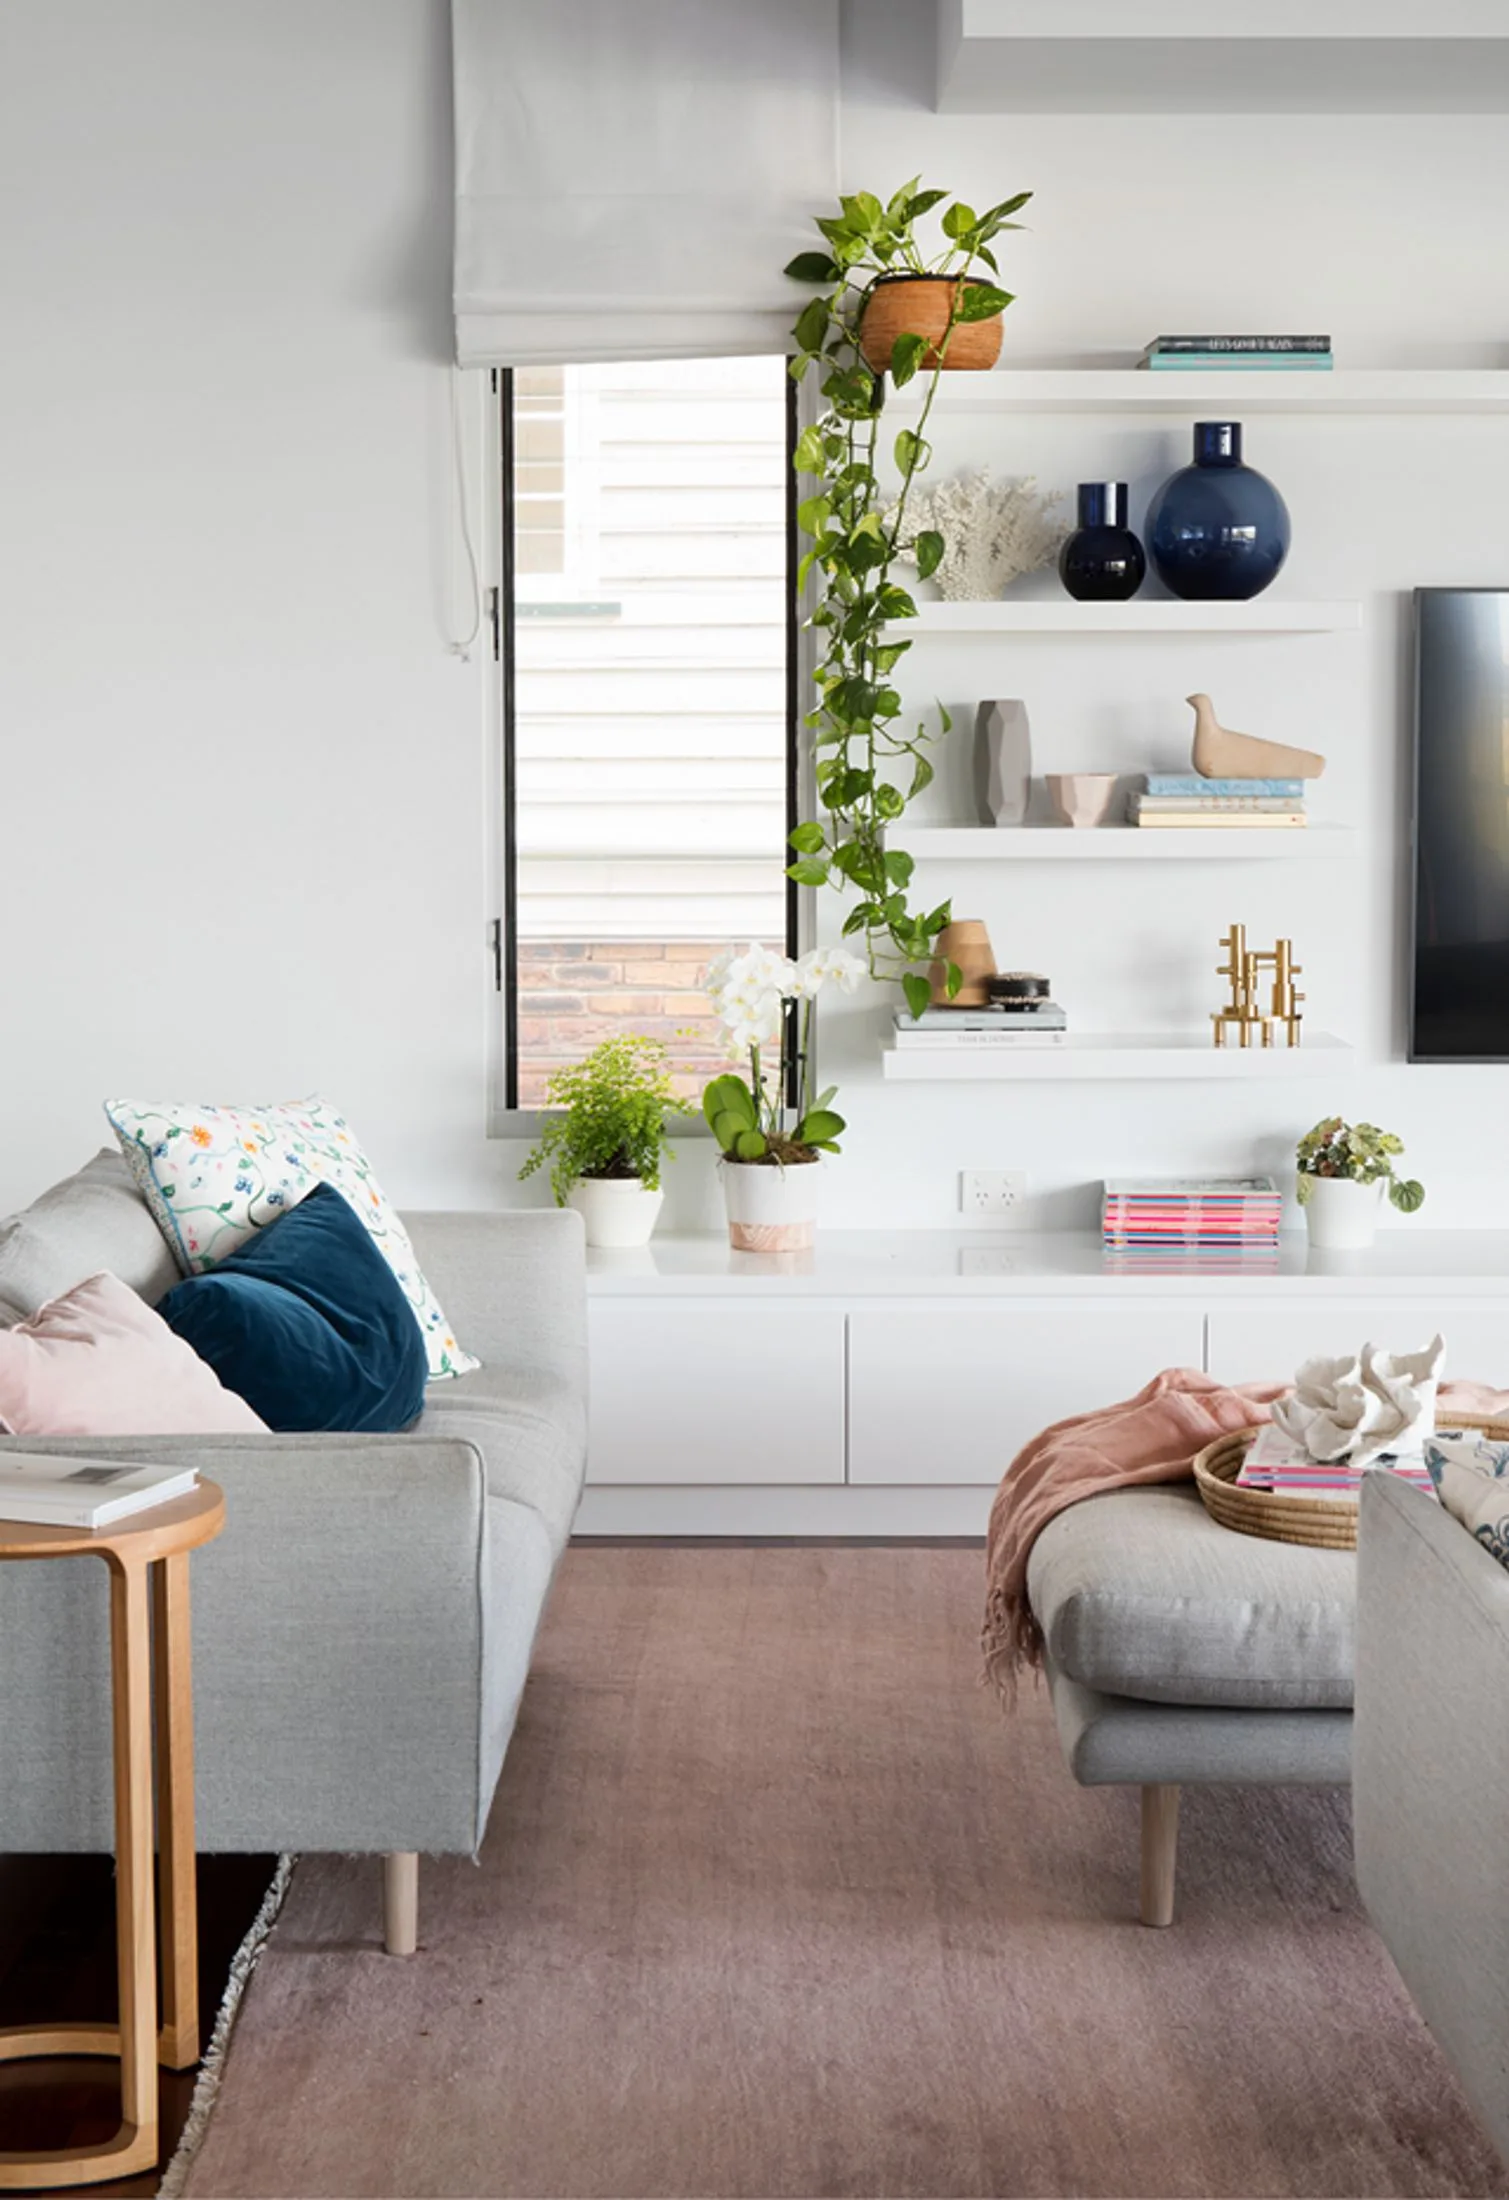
(992, 532)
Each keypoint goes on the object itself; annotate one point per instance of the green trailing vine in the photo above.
(868, 764)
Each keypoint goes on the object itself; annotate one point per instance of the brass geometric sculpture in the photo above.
(1243, 1007)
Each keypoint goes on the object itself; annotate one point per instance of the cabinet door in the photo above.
(1267, 1344)
(736, 1393)
(951, 1397)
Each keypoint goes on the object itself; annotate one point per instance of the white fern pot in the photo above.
(617, 1210)
(770, 1209)
(1341, 1214)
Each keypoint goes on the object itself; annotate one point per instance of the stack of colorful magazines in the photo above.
(1222, 1214)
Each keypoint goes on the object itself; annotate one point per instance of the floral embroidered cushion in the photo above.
(213, 1175)
(1471, 1474)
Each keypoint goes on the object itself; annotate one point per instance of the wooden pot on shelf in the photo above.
(966, 944)
(919, 305)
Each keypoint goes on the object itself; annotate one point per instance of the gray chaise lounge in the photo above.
(363, 1628)
(1180, 1652)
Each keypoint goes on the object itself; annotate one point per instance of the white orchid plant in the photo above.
(765, 1004)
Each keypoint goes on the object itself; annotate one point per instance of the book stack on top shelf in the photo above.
(1214, 354)
(1235, 1215)
(1169, 800)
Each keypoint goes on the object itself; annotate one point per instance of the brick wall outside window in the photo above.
(571, 994)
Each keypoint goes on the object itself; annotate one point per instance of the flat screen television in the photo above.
(1459, 992)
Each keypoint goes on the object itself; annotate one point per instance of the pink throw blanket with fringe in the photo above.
(1150, 1438)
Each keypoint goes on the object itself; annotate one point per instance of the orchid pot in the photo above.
(772, 1126)
(618, 1211)
(772, 1207)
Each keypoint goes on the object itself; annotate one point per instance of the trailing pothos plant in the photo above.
(869, 764)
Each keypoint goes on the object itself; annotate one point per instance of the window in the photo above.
(648, 703)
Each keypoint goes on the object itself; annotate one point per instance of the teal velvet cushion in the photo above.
(308, 1323)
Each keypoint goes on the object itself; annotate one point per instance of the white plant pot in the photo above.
(617, 1210)
(770, 1209)
(1341, 1214)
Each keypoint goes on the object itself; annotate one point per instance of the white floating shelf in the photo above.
(1061, 615)
(1141, 1055)
(1117, 843)
(1223, 393)
(1324, 57)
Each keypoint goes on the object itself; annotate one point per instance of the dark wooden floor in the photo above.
(57, 1962)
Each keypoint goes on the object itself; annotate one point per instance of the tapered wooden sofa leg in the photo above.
(400, 1902)
(1160, 1848)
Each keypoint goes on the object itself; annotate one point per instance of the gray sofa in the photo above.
(363, 1628)
(1430, 1779)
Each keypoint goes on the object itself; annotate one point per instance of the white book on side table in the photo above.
(55, 1492)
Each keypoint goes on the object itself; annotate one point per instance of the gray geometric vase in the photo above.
(1003, 762)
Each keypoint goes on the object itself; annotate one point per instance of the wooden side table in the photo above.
(148, 1559)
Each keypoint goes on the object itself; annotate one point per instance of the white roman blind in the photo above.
(632, 175)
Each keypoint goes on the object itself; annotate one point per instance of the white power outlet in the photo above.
(991, 1191)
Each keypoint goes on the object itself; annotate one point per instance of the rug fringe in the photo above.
(211, 2069)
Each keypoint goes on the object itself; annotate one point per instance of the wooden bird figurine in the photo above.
(1220, 754)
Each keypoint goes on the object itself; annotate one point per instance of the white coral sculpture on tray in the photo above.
(993, 532)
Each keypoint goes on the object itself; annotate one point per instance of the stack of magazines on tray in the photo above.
(1276, 1462)
(1221, 1215)
(1181, 799)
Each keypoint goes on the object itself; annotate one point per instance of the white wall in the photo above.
(239, 774)
(243, 781)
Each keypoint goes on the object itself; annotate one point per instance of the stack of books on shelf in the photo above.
(1275, 1462)
(1002, 1027)
(1232, 1215)
(1171, 800)
(1212, 354)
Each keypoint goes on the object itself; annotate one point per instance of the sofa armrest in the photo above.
(343, 1631)
(513, 1285)
(1431, 1775)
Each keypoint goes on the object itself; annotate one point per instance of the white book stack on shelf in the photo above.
(56, 1492)
(1028, 1025)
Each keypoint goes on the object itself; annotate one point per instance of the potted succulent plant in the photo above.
(1343, 1169)
(772, 1128)
(604, 1150)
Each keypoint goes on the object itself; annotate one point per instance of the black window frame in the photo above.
(505, 641)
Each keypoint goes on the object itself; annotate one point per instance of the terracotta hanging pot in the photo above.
(919, 305)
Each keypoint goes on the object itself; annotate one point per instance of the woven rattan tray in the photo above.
(1330, 1522)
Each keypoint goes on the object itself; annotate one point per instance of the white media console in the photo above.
(881, 1384)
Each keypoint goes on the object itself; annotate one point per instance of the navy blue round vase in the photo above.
(1217, 530)
(1102, 562)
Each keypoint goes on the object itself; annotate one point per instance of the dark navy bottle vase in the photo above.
(1102, 562)
(1217, 530)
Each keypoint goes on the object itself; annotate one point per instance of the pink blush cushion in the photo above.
(98, 1362)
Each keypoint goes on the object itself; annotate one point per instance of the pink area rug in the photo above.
(775, 1901)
